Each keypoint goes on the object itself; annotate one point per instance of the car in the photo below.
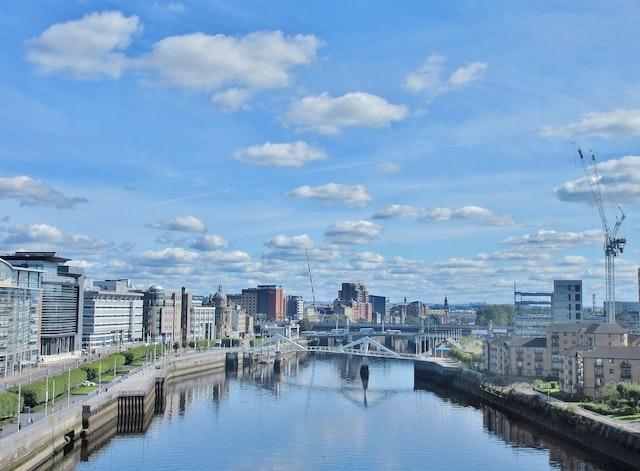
(86, 384)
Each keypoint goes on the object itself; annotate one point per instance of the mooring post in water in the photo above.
(277, 361)
(364, 374)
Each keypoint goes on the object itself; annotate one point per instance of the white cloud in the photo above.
(399, 211)
(477, 213)
(353, 232)
(618, 123)
(483, 215)
(282, 247)
(429, 77)
(87, 47)
(236, 66)
(293, 154)
(231, 100)
(41, 237)
(166, 258)
(35, 193)
(183, 224)
(333, 193)
(209, 243)
(553, 240)
(620, 180)
(368, 261)
(573, 260)
(327, 115)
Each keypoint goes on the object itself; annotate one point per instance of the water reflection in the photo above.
(523, 435)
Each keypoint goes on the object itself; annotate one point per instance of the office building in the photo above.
(62, 297)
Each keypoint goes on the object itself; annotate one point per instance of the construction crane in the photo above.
(313, 294)
(613, 243)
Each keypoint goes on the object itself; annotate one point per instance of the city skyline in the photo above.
(425, 150)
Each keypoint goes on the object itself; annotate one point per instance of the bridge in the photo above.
(363, 346)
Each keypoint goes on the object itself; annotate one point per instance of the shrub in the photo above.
(9, 404)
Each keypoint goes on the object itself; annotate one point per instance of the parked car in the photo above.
(88, 383)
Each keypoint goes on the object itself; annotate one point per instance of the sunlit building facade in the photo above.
(62, 298)
(20, 304)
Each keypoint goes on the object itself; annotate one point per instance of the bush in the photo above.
(9, 404)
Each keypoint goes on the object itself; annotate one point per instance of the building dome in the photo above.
(220, 299)
(155, 288)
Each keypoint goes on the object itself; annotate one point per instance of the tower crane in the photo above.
(613, 243)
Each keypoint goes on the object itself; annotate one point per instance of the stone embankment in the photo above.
(127, 405)
(615, 440)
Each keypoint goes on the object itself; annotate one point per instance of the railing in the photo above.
(361, 352)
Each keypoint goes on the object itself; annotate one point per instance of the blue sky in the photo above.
(422, 148)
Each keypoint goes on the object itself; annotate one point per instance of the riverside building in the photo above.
(62, 298)
(20, 299)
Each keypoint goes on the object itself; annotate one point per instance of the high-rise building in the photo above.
(294, 307)
(20, 297)
(62, 297)
(266, 302)
(566, 301)
(353, 302)
(381, 308)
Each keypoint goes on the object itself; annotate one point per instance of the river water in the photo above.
(316, 415)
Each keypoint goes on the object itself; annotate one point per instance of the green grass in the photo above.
(84, 390)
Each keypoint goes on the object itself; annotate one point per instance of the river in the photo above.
(316, 415)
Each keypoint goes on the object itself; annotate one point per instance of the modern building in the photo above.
(112, 313)
(62, 297)
(381, 309)
(264, 303)
(20, 304)
(566, 301)
(532, 313)
(294, 307)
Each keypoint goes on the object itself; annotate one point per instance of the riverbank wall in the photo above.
(127, 406)
(613, 440)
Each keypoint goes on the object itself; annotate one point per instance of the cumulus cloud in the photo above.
(182, 224)
(368, 261)
(209, 243)
(166, 257)
(573, 260)
(619, 181)
(45, 237)
(289, 248)
(477, 213)
(398, 211)
(234, 66)
(85, 48)
(327, 115)
(35, 193)
(429, 78)
(353, 232)
(553, 240)
(333, 193)
(483, 215)
(293, 154)
(618, 123)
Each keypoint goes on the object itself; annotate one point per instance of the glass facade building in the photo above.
(20, 301)
(62, 298)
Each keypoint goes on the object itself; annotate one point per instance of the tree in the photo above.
(498, 314)
(305, 324)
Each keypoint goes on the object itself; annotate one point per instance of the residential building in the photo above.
(586, 371)
(20, 305)
(112, 313)
(62, 297)
(294, 307)
(566, 301)
(516, 356)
